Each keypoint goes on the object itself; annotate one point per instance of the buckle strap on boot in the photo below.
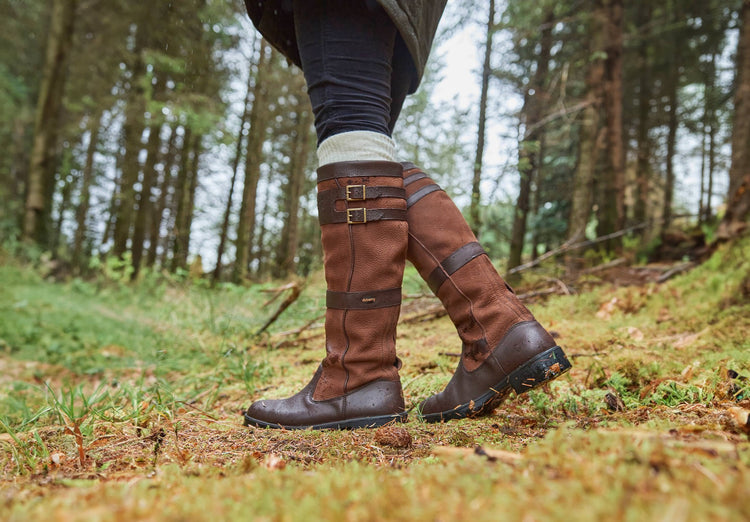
(452, 264)
(412, 178)
(363, 300)
(358, 193)
(360, 169)
(327, 213)
(427, 189)
(360, 215)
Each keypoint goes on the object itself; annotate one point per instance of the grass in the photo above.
(123, 403)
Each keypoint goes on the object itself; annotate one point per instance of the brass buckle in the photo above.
(353, 192)
(351, 218)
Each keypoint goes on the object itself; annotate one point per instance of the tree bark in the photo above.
(476, 196)
(41, 175)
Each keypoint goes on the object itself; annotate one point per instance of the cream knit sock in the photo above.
(356, 146)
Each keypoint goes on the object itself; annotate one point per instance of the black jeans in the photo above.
(347, 50)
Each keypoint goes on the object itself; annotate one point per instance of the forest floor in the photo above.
(122, 402)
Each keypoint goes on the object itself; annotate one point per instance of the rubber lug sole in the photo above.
(346, 424)
(540, 370)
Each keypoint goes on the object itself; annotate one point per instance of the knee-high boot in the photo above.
(504, 347)
(362, 212)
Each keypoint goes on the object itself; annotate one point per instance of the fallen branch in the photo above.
(294, 293)
(571, 245)
(669, 274)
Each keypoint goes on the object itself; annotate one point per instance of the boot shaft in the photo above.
(448, 256)
(362, 212)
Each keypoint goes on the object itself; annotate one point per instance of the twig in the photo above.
(675, 271)
(294, 293)
(277, 292)
(570, 245)
(560, 284)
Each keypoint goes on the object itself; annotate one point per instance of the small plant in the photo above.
(74, 408)
(26, 455)
(541, 401)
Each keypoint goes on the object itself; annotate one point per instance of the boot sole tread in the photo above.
(544, 368)
(345, 424)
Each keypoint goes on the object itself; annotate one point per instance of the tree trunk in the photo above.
(479, 157)
(84, 199)
(287, 249)
(738, 201)
(230, 198)
(673, 124)
(185, 196)
(643, 141)
(583, 183)
(253, 159)
(39, 189)
(19, 165)
(165, 186)
(260, 252)
(529, 150)
(132, 140)
(66, 190)
(145, 206)
(612, 212)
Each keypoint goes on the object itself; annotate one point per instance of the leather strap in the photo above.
(363, 300)
(358, 193)
(359, 216)
(360, 169)
(427, 189)
(453, 263)
(408, 180)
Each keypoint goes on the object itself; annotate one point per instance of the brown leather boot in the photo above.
(362, 212)
(504, 347)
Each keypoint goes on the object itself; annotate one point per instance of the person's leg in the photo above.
(346, 48)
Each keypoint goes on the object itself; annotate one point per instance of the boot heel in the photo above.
(542, 369)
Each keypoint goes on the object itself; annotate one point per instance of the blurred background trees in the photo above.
(170, 135)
